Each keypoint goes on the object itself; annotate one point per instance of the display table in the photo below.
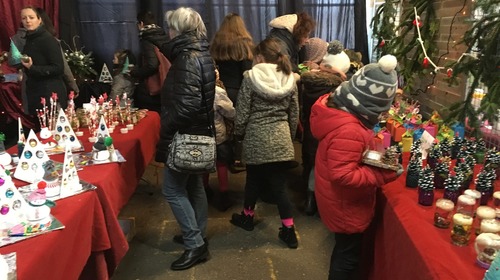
(92, 243)
(407, 245)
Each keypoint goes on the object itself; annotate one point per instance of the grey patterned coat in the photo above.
(267, 115)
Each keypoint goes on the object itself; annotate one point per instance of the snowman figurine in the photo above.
(47, 139)
(39, 205)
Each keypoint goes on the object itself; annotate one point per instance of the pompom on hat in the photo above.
(370, 91)
(336, 56)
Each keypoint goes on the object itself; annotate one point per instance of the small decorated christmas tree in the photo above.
(415, 147)
(465, 172)
(470, 147)
(399, 151)
(470, 161)
(426, 187)
(434, 155)
(413, 172)
(445, 147)
(480, 150)
(456, 146)
(441, 172)
(484, 185)
(452, 186)
(391, 156)
(492, 158)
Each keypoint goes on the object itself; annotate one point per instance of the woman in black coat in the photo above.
(44, 66)
(148, 62)
(184, 110)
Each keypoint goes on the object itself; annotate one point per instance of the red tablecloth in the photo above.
(92, 244)
(408, 246)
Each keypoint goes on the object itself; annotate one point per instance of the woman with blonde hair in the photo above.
(231, 48)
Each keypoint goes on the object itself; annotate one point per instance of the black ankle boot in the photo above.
(287, 235)
(243, 221)
(311, 208)
(190, 258)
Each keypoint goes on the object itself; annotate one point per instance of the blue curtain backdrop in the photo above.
(107, 25)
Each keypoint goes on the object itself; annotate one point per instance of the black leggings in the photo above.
(345, 256)
(273, 177)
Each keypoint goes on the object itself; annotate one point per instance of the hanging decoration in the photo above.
(412, 41)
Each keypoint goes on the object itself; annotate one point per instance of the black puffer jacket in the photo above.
(289, 46)
(149, 61)
(314, 85)
(182, 107)
(46, 74)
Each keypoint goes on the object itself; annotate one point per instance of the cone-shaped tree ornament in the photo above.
(15, 54)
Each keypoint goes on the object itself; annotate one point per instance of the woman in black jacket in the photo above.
(184, 110)
(293, 31)
(148, 62)
(45, 66)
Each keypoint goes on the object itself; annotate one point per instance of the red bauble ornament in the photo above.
(425, 63)
(449, 72)
(381, 44)
(419, 22)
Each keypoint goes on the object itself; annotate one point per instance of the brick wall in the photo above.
(439, 95)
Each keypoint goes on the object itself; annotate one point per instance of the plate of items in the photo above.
(387, 160)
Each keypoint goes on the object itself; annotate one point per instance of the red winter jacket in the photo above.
(345, 188)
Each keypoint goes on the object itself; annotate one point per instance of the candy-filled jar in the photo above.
(487, 246)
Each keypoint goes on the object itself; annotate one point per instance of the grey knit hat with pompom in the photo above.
(370, 91)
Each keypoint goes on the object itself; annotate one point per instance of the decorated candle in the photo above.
(482, 213)
(444, 207)
(461, 230)
(496, 198)
(465, 205)
(489, 225)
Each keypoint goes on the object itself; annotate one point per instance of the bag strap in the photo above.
(204, 99)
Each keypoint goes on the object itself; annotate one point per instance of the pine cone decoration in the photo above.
(426, 180)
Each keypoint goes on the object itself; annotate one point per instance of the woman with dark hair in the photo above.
(45, 64)
(68, 75)
(231, 49)
(266, 119)
(293, 31)
(148, 62)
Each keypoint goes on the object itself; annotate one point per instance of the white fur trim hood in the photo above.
(269, 82)
(285, 21)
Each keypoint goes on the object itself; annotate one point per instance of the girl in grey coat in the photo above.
(266, 118)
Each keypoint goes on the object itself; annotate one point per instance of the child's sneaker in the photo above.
(243, 221)
(287, 235)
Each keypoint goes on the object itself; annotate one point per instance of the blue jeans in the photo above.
(186, 196)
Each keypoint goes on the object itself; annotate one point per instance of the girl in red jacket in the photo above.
(345, 188)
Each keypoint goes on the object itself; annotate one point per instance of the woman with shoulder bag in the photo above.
(187, 99)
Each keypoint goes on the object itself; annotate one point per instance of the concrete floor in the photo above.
(235, 253)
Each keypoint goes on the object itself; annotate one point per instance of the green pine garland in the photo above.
(484, 36)
(405, 45)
